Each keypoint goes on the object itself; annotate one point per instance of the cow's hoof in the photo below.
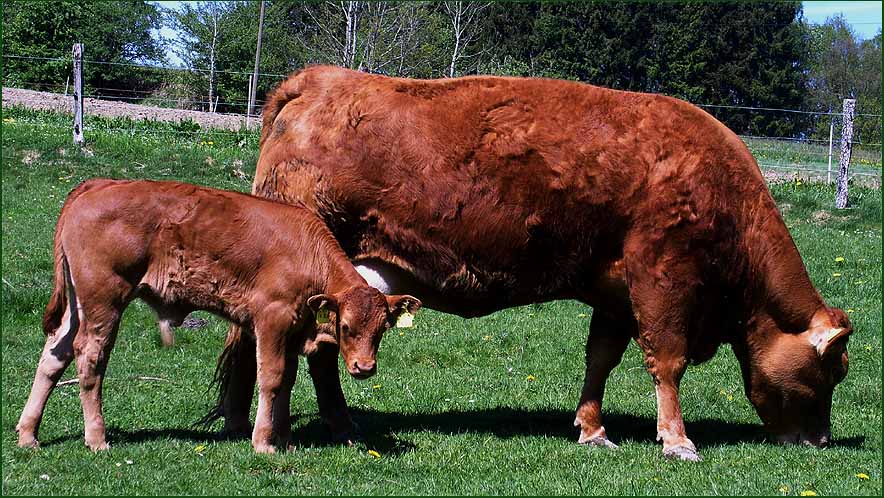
(600, 441)
(682, 453)
(97, 446)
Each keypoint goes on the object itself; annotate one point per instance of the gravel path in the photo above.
(113, 108)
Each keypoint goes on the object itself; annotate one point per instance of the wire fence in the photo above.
(172, 100)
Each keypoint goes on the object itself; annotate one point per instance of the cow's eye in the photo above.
(345, 328)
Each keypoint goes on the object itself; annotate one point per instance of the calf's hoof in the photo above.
(28, 441)
(682, 453)
(264, 448)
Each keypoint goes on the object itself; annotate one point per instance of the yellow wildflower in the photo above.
(785, 489)
(486, 337)
(530, 378)
(850, 310)
(376, 386)
(836, 274)
(868, 347)
(839, 259)
(374, 454)
(808, 492)
(864, 477)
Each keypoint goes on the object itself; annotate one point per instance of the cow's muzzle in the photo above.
(818, 440)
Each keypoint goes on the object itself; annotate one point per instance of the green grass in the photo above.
(451, 411)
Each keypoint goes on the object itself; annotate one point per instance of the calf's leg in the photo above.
(608, 338)
(270, 336)
(282, 420)
(57, 355)
(92, 347)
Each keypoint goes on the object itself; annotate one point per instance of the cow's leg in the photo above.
(282, 420)
(608, 338)
(270, 338)
(663, 294)
(92, 347)
(329, 396)
(240, 387)
(57, 355)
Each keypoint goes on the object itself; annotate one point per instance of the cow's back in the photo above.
(511, 189)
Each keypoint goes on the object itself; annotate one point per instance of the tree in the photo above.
(843, 67)
(116, 32)
(465, 18)
(198, 26)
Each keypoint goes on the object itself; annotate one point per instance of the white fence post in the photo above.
(831, 134)
(78, 94)
(846, 143)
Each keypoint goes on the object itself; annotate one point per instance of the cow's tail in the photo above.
(227, 363)
(58, 300)
(288, 90)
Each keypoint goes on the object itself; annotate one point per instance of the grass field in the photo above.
(453, 409)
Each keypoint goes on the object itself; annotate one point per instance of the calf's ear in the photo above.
(323, 302)
(403, 303)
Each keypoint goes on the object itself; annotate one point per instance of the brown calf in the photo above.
(263, 265)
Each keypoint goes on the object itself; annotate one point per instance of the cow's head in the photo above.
(794, 375)
(360, 316)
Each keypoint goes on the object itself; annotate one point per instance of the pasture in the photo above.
(482, 406)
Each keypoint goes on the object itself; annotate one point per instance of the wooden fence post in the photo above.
(78, 94)
(846, 143)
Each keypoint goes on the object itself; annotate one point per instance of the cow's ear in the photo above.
(403, 303)
(323, 302)
(824, 339)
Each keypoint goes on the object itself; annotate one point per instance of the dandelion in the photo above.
(374, 454)
(850, 310)
(200, 449)
(486, 337)
(836, 274)
(210, 142)
(582, 315)
(808, 492)
(530, 378)
(839, 259)
(864, 477)
(785, 489)
(12, 120)
(868, 347)
(376, 386)
(401, 334)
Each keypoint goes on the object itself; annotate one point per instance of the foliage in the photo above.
(843, 67)
(118, 32)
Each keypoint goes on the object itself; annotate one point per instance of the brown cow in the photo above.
(481, 193)
(180, 248)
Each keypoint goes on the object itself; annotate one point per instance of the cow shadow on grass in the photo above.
(379, 430)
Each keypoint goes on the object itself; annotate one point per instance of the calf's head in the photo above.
(360, 316)
(794, 376)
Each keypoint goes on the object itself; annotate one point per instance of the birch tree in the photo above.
(465, 18)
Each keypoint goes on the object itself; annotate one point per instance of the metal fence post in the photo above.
(844, 162)
(78, 94)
